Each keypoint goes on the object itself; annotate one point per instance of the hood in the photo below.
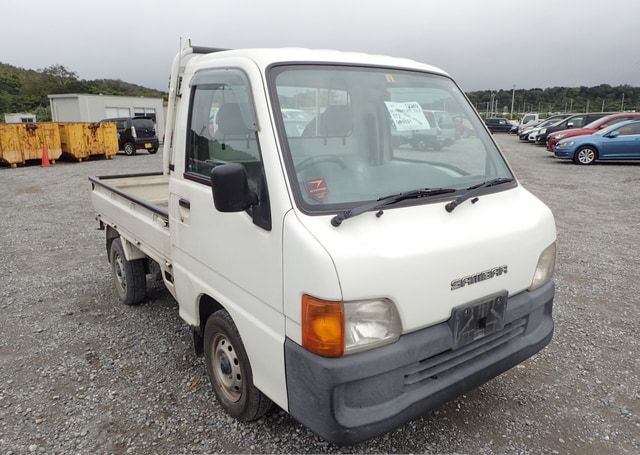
(411, 255)
(573, 132)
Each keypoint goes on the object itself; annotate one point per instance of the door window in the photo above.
(222, 127)
(630, 130)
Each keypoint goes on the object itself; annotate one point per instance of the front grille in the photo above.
(431, 368)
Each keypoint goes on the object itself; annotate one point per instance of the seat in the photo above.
(230, 122)
(334, 121)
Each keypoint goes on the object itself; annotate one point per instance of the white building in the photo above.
(73, 107)
(19, 117)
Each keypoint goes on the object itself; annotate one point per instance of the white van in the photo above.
(334, 270)
(528, 121)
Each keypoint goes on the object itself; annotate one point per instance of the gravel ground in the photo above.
(80, 373)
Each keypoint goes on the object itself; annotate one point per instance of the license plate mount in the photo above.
(477, 319)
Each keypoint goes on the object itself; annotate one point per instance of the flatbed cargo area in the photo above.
(136, 205)
(150, 189)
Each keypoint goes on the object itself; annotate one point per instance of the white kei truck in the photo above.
(329, 267)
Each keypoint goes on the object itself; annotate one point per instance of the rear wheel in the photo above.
(129, 276)
(129, 149)
(229, 370)
(585, 155)
(152, 151)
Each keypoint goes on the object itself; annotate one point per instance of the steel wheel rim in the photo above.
(128, 149)
(226, 368)
(586, 156)
(121, 278)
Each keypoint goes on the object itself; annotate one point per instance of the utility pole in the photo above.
(602, 105)
(622, 103)
(513, 98)
(587, 110)
(565, 105)
(571, 107)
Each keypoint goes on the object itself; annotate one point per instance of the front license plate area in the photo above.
(147, 146)
(478, 319)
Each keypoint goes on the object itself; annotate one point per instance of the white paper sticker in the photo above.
(407, 116)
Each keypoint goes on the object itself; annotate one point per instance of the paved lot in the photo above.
(80, 373)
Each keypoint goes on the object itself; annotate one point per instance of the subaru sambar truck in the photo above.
(331, 268)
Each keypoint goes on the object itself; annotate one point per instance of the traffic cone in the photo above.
(45, 157)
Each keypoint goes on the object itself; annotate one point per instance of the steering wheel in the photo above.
(302, 165)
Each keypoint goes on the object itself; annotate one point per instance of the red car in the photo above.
(591, 128)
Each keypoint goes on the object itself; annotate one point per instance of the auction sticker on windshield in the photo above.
(407, 116)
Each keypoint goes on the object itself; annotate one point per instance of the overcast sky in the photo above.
(483, 44)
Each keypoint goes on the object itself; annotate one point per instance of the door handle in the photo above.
(184, 203)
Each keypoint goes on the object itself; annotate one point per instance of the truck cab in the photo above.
(331, 268)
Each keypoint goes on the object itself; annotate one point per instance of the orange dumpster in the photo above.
(82, 140)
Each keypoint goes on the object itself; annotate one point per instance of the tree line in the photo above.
(25, 90)
(603, 97)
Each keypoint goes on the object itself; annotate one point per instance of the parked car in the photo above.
(335, 274)
(620, 141)
(574, 121)
(498, 125)
(442, 132)
(136, 133)
(524, 134)
(604, 122)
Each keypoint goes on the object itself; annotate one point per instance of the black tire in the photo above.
(585, 155)
(129, 277)
(129, 149)
(230, 371)
(152, 151)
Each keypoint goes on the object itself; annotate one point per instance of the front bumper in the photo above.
(541, 139)
(563, 154)
(353, 398)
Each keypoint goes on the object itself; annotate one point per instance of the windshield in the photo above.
(374, 132)
(610, 128)
(551, 122)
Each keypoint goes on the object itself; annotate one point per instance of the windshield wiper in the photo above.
(388, 200)
(473, 191)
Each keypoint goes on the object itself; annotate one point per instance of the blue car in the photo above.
(620, 141)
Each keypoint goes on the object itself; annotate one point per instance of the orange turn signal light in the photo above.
(322, 326)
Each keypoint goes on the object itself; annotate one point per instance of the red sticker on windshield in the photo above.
(317, 188)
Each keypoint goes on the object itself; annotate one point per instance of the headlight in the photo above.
(566, 143)
(543, 130)
(332, 329)
(370, 323)
(544, 269)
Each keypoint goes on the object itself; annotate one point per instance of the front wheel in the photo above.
(229, 370)
(129, 149)
(585, 155)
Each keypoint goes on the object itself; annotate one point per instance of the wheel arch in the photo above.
(111, 235)
(206, 306)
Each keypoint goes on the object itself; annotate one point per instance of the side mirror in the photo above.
(613, 134)
(570, 125)
(230, 188)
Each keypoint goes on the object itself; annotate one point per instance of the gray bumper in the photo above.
(353, 398)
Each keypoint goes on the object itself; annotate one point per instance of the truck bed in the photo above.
(136, 206)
